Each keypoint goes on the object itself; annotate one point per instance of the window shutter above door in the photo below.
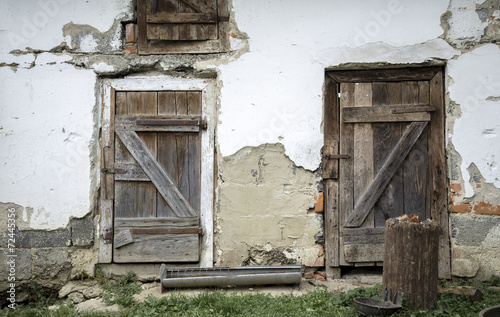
(182, 26)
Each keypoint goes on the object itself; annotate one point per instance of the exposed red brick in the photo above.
(231, 34)
(318, 207)
(320, 262)
(309, 275)
(455, 188)
(485, 208)
(320, 276)
(321, 251)
(131, 49)
(461, 208)
(130, 33)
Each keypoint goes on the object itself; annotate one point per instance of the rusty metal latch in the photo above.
(337, 156)
(107, 235)
(113, 170)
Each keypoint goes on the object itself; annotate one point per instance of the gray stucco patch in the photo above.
(43, 239)
(467, 230)
(82, 231)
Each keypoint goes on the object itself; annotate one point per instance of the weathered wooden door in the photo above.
(156, 176)
(384, 157)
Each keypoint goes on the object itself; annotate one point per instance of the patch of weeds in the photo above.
(120, 291)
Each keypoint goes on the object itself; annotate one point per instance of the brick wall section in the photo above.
(477, 207)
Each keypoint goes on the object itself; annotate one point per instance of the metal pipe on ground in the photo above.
(237, 276)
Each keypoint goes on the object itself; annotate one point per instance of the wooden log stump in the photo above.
(411, 261)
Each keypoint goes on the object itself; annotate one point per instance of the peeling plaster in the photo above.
(475, 79)
(45, 156)
(40, 24)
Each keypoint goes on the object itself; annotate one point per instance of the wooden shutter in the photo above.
(389, 159)
(156, 172)
(182, 26)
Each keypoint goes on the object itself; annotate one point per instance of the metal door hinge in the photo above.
(107, 235)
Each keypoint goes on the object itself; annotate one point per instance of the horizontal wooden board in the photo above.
(363, 235)
(383, 114)
(159, 222)
(133, 172)
(186, 230)
(364, 252)
(132, 123)
(374, 75)
(182, 18)
(159, 248)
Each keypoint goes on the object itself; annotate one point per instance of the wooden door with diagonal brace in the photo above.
(384, 157)
(154, 178)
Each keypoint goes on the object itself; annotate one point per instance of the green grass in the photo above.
(319, 302)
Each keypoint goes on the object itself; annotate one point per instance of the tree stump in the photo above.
(411, 261)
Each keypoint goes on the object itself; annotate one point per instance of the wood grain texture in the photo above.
(416, 166)
(363, 149)
(162, 181)
(386, 136)
(385, 174)
(159, 248)
(346, 168)
(383, 114)
(384, 75)
(332, 225)
(411, 261)
(438, 183)
(178, 26)
(331, 129)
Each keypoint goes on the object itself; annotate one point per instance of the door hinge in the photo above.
(107, 235)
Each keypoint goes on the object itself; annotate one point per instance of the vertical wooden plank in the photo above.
(142, 196)
(223, 27)
(363, 149)
(423, 98)
(386, 136)
(106, 204)
(142, 27)
(438, 182)
(415, 167)
(346, 172)
(331, 172)
(182, 176)
(332, 242)
(167, 149)
(194, 155)
(331, 129)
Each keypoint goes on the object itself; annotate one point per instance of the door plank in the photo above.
(160, 248)
(157, 222)
(194, 152)
(415, 166)
(363, 148)
(346, 200)
(385, 174)
(384, 114)
(387, 135)
(331, 129)
(438, 185)
(158, 176)
(167, 157)
(332, 223)
(384, 75)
